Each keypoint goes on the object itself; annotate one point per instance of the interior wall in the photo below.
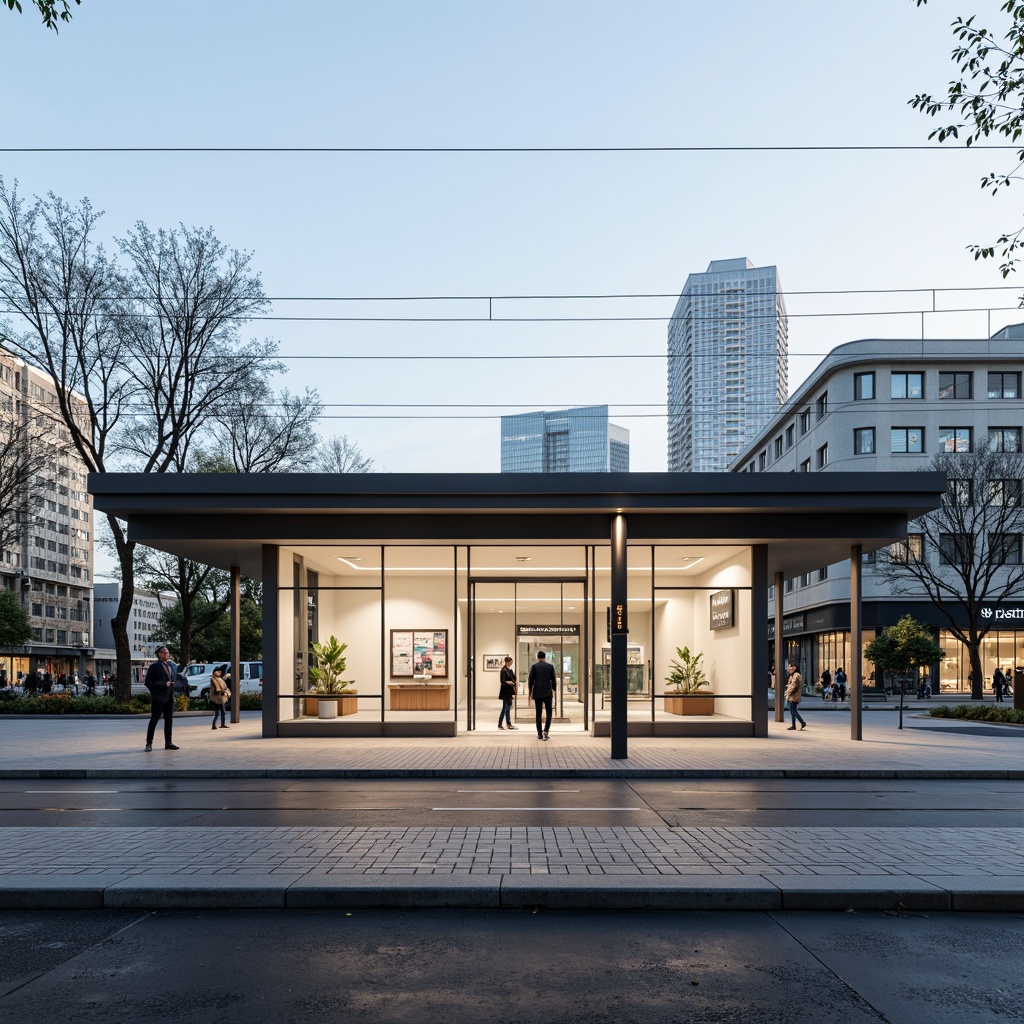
(353, 616)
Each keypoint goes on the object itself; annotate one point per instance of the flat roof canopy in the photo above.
(806, 520)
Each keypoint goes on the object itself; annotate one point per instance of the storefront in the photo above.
(432, 580)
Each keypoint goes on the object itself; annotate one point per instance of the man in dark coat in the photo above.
(542, 691)
(160, 677)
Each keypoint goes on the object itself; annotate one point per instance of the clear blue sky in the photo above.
(524, 73)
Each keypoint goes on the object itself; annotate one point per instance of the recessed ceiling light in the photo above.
(523, 558)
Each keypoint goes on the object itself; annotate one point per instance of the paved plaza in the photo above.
(892, 868)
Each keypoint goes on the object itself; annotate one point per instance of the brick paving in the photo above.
(706, 867)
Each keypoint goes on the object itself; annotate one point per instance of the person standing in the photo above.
(219, 697)
(794, 692)
(160, 683)
(542, 691)
(998, 682)
(840, 684)
(507, 694)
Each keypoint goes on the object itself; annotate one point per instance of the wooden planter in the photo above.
(690, 704)
(327, 705)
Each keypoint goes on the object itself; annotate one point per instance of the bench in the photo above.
(874, 697)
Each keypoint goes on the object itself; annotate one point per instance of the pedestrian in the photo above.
(998, 682)
(506, 694)
(220, 694)
(542, 691)
(90, 684)
(160, 683)
(840, 683)
(826, 684)
(794, 691)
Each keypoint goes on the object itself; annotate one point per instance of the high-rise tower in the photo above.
(728, 363)
(564, 441)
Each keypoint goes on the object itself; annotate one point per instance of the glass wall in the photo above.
(1003, 649)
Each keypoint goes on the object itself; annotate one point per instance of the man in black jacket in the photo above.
(542, 691)
(160, 678)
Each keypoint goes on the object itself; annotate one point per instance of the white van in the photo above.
(199, 675)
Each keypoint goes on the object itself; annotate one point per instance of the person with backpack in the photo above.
(840, 684)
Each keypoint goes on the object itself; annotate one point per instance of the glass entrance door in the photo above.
(519, 618)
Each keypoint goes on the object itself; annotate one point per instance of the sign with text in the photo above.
(723, 609)
(563, 630)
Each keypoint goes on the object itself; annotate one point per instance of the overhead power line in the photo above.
(934, 147)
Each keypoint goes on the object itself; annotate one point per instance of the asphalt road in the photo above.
(471, 967)
(497, 802)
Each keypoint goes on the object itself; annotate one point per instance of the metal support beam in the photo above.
(853, 674)
(619, 638)
(780, 652)
(272, 639)
(759, 640)
(236, 667)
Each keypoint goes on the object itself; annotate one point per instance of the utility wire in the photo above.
(935, 147)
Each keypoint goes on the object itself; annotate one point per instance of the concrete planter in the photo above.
(690, 704)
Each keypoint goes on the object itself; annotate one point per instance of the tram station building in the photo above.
(432, 580)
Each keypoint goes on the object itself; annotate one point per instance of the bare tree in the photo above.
(258, 432)
(22, 455)
(967, 553)
(340, 455)
(146, 349)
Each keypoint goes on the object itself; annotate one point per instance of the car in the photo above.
(180, 682)
(200, 673)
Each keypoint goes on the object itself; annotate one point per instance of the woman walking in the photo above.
(794, 691)
(219, 697)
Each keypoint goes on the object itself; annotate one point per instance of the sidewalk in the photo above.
(889, 869)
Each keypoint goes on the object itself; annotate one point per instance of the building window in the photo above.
(954, 439)
(822, 457)
(37, 609)
(864, 441)
(960, 492)
(1004, 439)
(778, 447)
(955, 384)
(908, 440)
(790, 435)
(1004, 385)
(823, 574)
(867, 558)
(956, 548)
(805, 466)
(805, 421)
(62, 636)
(762, 461)
(1004, 492)
(907, 385)
(909, 550)
(49, 634)
(1004, 548)
(822, 405)
(863, 387)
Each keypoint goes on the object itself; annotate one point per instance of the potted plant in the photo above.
(685, 694)
(335, 695)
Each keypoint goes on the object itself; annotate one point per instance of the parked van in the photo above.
(199, 675)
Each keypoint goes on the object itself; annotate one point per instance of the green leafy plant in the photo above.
(686, 675)
(330, 666)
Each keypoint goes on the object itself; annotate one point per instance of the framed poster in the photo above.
(493, 662)
(419, 652)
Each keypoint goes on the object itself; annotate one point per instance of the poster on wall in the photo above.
(493, 662)
(419, 652)
(723, 606)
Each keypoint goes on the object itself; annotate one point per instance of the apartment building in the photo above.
(890, 405)
(49, 562)
(579, 440)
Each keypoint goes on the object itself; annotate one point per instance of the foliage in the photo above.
(210, 630)
(979, 713)
(15, 625)
(51, 10)
(330, 665)
(12, 703)
(686, 675)
(903, 647)
(962, 567)
(340, 455)
(988, 99)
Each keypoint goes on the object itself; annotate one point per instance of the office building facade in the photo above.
(728, 363)
(577, 440)
(891, 405)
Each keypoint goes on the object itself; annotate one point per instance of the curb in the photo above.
(512, 773)
(891, 894)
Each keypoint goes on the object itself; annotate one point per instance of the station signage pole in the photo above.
(619, 637)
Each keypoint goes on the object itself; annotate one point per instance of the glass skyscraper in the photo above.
(728, 363)
(564, 441)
